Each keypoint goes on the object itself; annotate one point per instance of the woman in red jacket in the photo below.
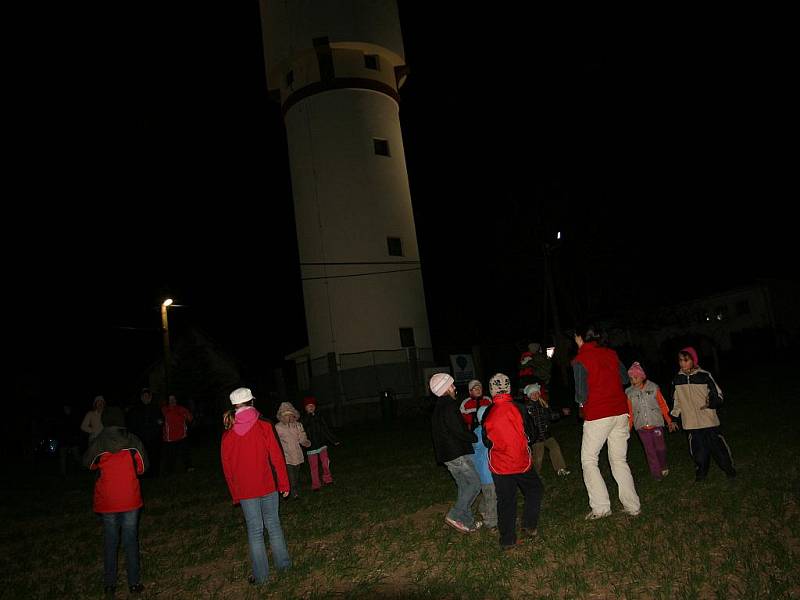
(599, 377)
(120, 457)
(250, 450)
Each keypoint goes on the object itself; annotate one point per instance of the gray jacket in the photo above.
(644, 403)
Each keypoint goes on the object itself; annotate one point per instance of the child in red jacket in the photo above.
(250, 451)
(120, 457)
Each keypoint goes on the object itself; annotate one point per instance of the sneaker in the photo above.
(475, 526)
(137, 588)
(457, 525)
(664, 473)
(507, 547)
(633, 513)
(563, 472)
(531, 534)
(593, 516)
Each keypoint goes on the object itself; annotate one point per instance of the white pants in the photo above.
(615, 431)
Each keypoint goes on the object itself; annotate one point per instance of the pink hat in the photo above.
(636, 370)
(693, 353)
(440, 383)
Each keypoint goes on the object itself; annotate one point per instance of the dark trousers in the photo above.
(174, 449)
(705, 443)
(294, 479)
(506, 488)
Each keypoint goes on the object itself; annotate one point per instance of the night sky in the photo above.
(152, 162)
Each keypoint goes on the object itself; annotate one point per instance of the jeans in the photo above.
(488, 504)
(128, 522)
(260, 512)
(615, 431)
(469, 486)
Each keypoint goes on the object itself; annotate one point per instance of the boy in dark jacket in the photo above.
(319, 434)
(452, 443)
(120, 457)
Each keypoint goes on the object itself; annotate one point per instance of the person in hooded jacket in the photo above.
(293, 439)
(119, 456)
(250, 451)
(508, 433)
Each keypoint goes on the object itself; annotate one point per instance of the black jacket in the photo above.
(317, 430)
(145, 421)
(451, 438)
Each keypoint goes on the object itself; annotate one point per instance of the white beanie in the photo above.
(241, 395)
(499, 384)
(440, 383)
(473, 383)
(531, 388)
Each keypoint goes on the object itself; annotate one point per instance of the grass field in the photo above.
(379, 531)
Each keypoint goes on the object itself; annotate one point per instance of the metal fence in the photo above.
(368, 385)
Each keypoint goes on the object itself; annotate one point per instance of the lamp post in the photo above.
(165, 331)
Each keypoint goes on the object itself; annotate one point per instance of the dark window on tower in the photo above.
(381, 147)
(743, 307)
(395, 246)
(407, 337)
(371, 61)
(289, 78)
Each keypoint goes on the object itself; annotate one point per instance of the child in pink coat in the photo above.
(292, 436)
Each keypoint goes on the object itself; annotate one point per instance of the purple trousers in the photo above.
(655, 449)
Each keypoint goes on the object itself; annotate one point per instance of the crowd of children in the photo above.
(491, 445)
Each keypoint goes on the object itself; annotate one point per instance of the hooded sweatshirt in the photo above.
(292, 435)
(250, 451)
(120, 457)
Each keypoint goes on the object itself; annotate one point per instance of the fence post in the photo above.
(333, 389)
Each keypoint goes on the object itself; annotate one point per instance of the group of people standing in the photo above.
(260, 463)
(491, 445)
(500, 442)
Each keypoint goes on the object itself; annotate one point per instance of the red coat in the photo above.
(117, 489)
(246, 461)
(175, 420)
(504, 427)
(605, 398)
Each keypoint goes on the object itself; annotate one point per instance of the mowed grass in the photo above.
(379, 531)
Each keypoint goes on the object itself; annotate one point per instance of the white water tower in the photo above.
(338, 65)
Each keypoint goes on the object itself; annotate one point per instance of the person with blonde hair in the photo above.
(93, 420)
(250, 452)
(293, 439)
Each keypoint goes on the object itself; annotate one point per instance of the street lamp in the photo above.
(165, 330)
